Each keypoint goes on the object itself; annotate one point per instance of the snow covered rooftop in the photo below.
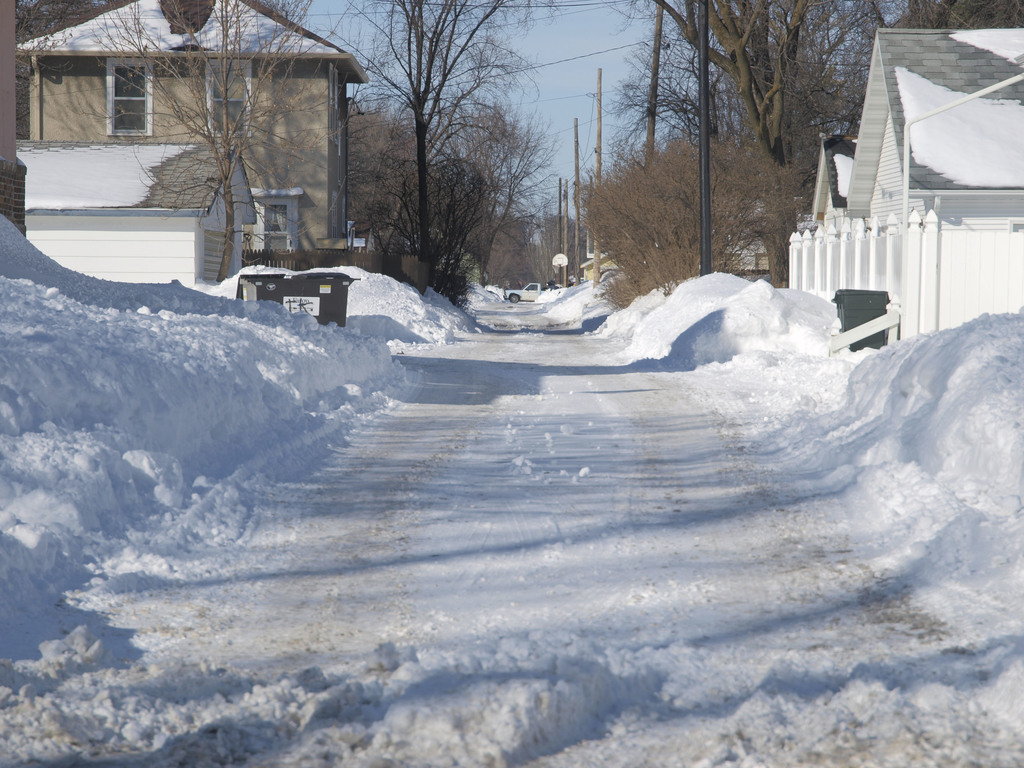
(976, 144)
(70, 176)
(143, 25)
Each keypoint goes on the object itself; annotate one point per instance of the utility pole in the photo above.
(652, 92)
(597, 180)
(565, 228)
(576, 196)
(705, 143)
(561, 242)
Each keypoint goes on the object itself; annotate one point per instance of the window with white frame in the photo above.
(277, 222)
(227, 84)
(129, 98)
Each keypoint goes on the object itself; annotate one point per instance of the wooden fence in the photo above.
(315, 259)
(950, 274)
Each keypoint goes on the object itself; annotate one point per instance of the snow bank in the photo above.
(145, 411)
(921, 443)
(715, 318)
(383, 307)
(926, 449)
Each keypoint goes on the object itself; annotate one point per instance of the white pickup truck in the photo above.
(530, 293)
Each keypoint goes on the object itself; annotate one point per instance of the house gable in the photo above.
(955, 61)
(832, 183)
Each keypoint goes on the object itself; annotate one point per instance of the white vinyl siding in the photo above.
(129, 249)
(888, 193)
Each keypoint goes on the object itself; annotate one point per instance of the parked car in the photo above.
(530, 293)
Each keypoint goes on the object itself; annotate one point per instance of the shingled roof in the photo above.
(176, 25)
(961, 61)
(945, 59)
(160, 177)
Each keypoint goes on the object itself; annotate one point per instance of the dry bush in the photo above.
(646, 216)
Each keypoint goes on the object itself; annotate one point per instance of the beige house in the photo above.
(116, 79)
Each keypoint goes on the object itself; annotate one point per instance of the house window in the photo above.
(129, 99)
(227, 85)
(1016, 225)
(277, 222)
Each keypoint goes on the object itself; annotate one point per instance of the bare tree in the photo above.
(758, 42)
(35, 19)
(785, 72)
(963, 14)
(511, 153)
(441, 59)
(647, 213)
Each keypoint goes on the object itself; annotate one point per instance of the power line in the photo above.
(583, 56)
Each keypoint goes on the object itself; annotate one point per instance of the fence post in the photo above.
(845, 261)
(807, 255)
(893, 256)
(860, 277)
(876, 269)
(831, 259)
(819, 261)
(930, 273)
(795, 276)
(912, 288)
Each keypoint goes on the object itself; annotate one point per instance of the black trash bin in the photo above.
(856, 307)
(321, 294)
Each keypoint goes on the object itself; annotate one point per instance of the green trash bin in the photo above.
(856, 307)
(324, 295)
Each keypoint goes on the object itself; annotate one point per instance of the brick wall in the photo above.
(12, 192)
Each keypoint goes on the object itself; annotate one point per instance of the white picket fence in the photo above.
(950, 275)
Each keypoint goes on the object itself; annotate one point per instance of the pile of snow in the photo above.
(142, 413)
(480, 296)
(926, 450)
(383, 307)
(716, 318)
(921, 442)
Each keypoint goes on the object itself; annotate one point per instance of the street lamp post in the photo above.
(705, 142)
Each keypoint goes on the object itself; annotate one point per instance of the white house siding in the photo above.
(130, 249)
(888, 193)
(983, 210)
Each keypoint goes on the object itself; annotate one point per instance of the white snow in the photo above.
(62, 178)
(976, 144)
(1008, 43)
(677, 534)
(141, 25)
(844, 170)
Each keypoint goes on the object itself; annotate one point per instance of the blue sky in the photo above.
(569, 45)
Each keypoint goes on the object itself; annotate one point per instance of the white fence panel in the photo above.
(952, 275)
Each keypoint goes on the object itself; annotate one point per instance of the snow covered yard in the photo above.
(676, 535)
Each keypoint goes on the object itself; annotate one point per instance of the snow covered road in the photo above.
(540, 555)
(549, 552)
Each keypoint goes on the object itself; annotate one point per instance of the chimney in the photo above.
(186, 17)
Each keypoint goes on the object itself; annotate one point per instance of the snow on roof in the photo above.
(976, 144)
(142, 25)
(103, 176)
(844, 168)
(1008, 43)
